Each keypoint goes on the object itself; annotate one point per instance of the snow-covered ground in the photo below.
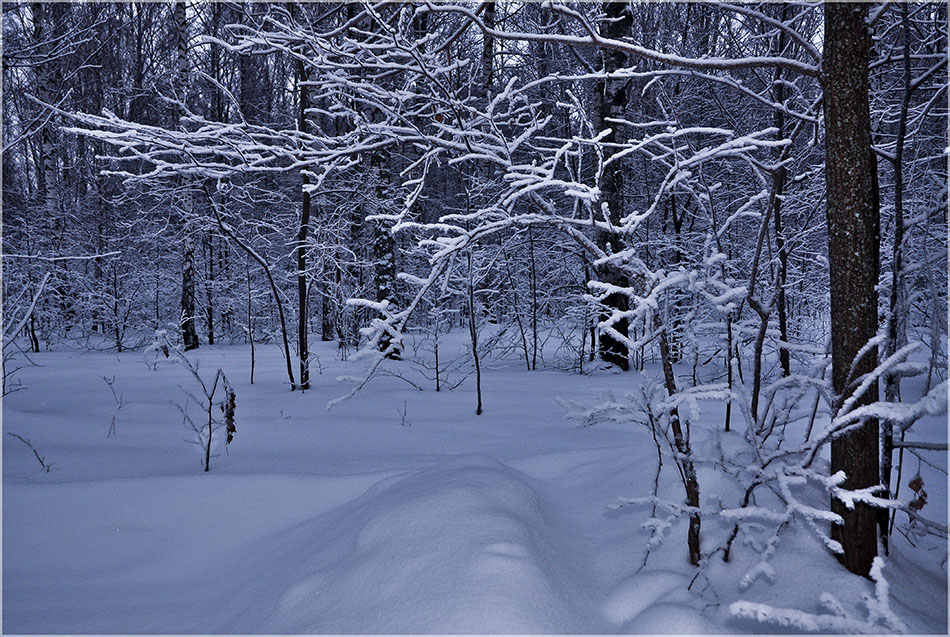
(362, 519)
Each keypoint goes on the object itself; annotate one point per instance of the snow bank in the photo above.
(160, 554)
(466, 546)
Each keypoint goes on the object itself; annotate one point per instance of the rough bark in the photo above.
(853, 241)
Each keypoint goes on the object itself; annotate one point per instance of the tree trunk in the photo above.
(681, 440)
(853, 243)
(209, 291)
(302, 301)
(488, 49)
(533, 273)
(384, 251)
(327, 313)
(250, 315)
(189, 336)
(610, 99)
(779, 179)
(473, 334)
(892, 382)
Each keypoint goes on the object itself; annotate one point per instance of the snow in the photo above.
(344, 521)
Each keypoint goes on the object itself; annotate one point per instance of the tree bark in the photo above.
(610, 99)
(189, 336)
(209, 290)
(681, 441)
(779, 178)
(488, 49)
(302, 300)
(853, 242)
(895, 317)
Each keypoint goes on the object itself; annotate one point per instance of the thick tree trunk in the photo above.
(49, 24)
(853, 243)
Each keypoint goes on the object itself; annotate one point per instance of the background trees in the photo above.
(646, 181)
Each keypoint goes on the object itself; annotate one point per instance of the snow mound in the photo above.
(637, 593)
(668, 618)
(466, 546)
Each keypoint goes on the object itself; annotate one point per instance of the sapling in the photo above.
(404, 421)
(119, 403)
(449, 373)
(210, 423)
(161, 346)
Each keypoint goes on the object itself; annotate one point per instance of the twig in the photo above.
(40, 459)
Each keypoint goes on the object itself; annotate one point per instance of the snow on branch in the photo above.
(880, 618)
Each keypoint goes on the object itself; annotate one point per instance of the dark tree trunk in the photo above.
(302, 301)
(610, 99)
(265, 266)
(892, 383)
(681, 440)
(853, 243)
(779, 178)
(209, 291)
(384, 250)
(327, 313)
(488, 49)
(189, 336)
(533, 278)
(473, 334)
(250, 315)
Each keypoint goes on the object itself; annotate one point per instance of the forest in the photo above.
(523, 317)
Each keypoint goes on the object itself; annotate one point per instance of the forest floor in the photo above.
(397, 511)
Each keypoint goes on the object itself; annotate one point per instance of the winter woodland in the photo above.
(475, 316)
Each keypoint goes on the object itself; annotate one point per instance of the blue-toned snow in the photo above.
(346, 521)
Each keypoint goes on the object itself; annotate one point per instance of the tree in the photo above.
(657, 168)
(853, 218)
(189, 335)
(610, 97)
